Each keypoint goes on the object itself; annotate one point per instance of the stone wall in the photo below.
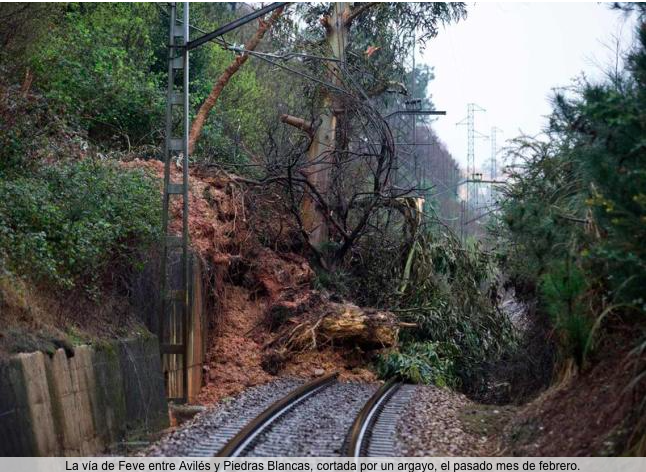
(82, 404)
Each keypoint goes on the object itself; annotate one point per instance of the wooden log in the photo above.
(317, 322)
(367, 328)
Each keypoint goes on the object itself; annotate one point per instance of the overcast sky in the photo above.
(507, 58)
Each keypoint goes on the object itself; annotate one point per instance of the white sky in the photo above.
(507, 58)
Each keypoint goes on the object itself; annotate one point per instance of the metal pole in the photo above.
(166, 197)
(176, 301)
(185, 233)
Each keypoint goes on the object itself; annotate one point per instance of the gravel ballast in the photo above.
(431, 426)
(205, 434)
(318, 426)
(427, 422)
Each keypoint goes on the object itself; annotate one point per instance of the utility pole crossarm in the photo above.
(416, 112)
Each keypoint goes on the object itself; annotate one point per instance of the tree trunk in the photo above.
(223, 80)
(321, 151)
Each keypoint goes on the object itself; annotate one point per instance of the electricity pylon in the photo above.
(472, 135)
(493, 168)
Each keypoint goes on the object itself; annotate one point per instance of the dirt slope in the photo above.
(249, 247)
(592, 412)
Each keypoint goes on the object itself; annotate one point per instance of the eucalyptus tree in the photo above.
(355, 52)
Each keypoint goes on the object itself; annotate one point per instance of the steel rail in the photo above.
(237, 445)
(357, 441)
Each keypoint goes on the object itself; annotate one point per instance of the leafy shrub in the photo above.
(562, 290)
(574, 213)
(67, 223)
(97, 64)
(423, 362)
(577, 195)
(447, 297)
(441, 286)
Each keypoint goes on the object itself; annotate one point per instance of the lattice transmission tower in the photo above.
(493, 163)
(472, 135)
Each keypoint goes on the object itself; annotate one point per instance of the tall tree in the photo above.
(369, 36)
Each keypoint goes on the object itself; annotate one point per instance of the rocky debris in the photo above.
(431, 426)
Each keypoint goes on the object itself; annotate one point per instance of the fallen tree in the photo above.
(315, 322)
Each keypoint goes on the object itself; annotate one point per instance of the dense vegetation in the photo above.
(69, 222)
(574, 211)
(103, 67)
(83, 91)
(573, 220)
(83, 86)
(446, 289)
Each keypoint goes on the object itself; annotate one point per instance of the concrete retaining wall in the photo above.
(83, 404)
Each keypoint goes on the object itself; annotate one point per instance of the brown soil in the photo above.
(328, 360)
(585, 414)
(247, 243)
(43, 318)
(233, 359)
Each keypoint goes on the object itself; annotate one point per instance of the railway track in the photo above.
(372, 430)
(241, 441)
(281, 425)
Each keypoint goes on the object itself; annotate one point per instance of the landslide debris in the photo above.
(267, 320)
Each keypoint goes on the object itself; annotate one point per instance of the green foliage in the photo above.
(447, 298)
(97, 65)
(438, 284)
(238, 114)
(574, 213)
(428, 363)
(67, 223)
(103, 66)
(562, 290)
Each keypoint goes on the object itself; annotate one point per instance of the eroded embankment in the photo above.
(266, 318)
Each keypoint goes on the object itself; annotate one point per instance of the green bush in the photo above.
(562, 291)
(573, 220)
(440, 285)
(424, 362)
(68, 223)
(98, 65)
(446, 296)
